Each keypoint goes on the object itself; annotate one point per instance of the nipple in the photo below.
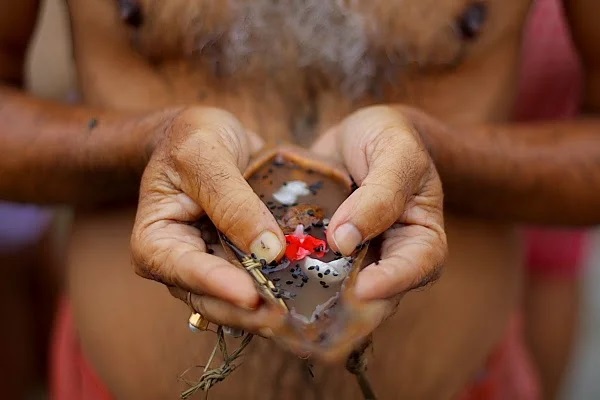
(131, 12)
(470, 22)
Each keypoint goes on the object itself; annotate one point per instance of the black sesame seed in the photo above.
(335, 274)
(294, 276)
(252, 255)
(285, 183)
(311, 267)
(322, 283)
(276, 279)
(327, 271)
(318, 224)
(325, 286)
(317, 268)
(377, 262)
(316, 186)
(210, 251)
(289, 282)
(304, 279)
(262, 196)
(360, 246)
(320, 275)
(263, 262)
(300, 285)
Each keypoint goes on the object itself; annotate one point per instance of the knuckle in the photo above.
(431, 267)
(199, 305)
(428, 276)
(144, 268)
(139, 257)
(149, 260)
(205, 130)
(193, 116)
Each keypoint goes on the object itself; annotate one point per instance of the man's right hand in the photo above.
(196, 169)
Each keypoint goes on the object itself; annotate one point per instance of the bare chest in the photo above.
(300, 66)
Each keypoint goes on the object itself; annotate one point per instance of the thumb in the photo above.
(384, 156)
(208, 164)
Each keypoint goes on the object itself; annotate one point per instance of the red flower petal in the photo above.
(298, 248)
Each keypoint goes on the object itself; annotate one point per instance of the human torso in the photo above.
(288, 71)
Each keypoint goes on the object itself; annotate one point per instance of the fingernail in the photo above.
(346, 238)
(249, 306)
(266, 332)
(267, 246)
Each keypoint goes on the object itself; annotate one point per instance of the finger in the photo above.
(327, 145)
(256, 142)
(220, 312)
(412, 256)
(386, 159)
(208, 164)
(174, 254)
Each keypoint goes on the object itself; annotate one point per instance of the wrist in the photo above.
(125, 143)
(434, 135)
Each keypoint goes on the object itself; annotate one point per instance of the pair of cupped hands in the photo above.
(197, 168)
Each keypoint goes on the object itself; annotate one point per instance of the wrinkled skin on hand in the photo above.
(399, 195)
(197, 170)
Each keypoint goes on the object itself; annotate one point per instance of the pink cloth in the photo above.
(555, 253)
(509, 374)
(71, 375)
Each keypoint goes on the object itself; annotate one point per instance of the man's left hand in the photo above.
(399, 195)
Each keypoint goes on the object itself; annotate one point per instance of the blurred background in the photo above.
(35, 256)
